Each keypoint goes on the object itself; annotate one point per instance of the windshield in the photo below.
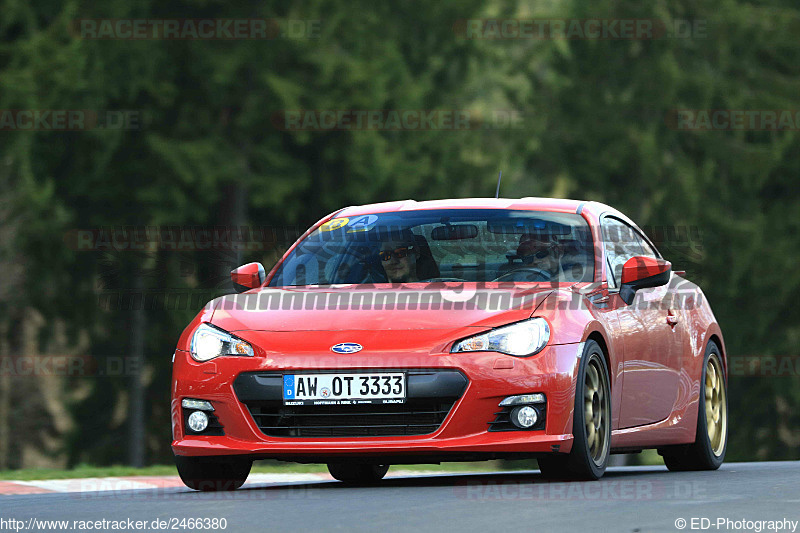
(476, 245)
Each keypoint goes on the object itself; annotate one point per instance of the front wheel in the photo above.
(591, 422)
(553, 466)
(708, 450)
(211, 474)
(358, 474)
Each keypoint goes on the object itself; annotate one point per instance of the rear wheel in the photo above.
(213, 473)
(360, 474)
(708, 450)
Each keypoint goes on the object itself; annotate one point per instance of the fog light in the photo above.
(198, 421)
(524, 417)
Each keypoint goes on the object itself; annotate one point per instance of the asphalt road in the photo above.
(636, 499)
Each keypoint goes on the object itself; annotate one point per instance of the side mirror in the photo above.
(249, 276)
(641, 272)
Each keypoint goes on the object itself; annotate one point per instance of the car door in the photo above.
(651, 342)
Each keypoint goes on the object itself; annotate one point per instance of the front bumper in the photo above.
(464, 432)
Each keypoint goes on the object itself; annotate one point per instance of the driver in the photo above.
(541, 252)
(398, 255)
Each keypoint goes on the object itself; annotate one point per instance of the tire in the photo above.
(553, 466)
(586, 461)
(211, 474)
(357, 474)
(707, 452)
(588, 458)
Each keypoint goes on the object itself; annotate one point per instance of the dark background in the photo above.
(593, 119)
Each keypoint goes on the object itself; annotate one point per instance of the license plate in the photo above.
(343, 389)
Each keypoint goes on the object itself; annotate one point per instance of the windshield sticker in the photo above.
(363, 223)
(334, 224)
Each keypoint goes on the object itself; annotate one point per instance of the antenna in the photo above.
(497, 192)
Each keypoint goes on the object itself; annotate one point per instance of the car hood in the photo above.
(409, 307)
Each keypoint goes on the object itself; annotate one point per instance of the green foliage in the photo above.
(594, 125)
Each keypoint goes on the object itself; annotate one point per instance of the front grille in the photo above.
(431, 395)
(415, 417)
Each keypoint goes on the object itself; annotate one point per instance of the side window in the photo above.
(647, 250)
(621, 243)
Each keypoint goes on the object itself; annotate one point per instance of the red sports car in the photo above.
(454, 330)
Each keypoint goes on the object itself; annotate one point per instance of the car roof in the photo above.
(559, 205)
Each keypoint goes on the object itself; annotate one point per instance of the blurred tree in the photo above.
(611, 136)
(206, 151)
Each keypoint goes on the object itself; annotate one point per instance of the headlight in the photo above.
(523, 338)
(209, 342)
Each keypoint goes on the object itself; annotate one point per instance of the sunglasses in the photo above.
(400, 253)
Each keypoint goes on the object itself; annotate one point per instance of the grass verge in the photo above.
(259, 467)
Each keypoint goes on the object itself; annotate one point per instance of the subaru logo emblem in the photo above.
(346, 347)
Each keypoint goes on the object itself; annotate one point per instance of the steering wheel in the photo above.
(526, 273)
(433, 280)
(356, 267)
